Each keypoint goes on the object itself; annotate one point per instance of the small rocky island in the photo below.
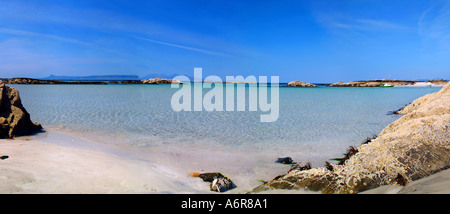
(160, 81)
(373, 83)
(298, 83)
(382, 82)
(14, 119)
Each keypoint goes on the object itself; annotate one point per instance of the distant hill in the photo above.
(92, 78)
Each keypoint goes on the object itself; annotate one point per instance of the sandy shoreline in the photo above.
(55, 162)
(37, 164)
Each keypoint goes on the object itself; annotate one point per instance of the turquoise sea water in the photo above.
(320, 120)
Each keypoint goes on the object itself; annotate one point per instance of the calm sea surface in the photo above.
(312, 120)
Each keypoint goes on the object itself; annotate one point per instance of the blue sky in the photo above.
(311, 41)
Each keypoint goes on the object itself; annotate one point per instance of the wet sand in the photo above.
(39, 167)
(54, 162)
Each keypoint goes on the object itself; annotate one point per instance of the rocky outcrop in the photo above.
(14, 119)
(26, 81)
(151, 81)
(438, 81)
(160, 81)
(372, 83)
(357, 84)
(412, 147)
(299, 84)
(131, 82)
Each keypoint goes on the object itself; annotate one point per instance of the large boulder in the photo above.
(14, 119)
(412, 147)
(299, 84)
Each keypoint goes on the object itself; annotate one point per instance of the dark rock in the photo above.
(3, 157)
(400, 180)
(219, 182)
(14, 119)
(329, 166)
(300, 167)
(209, 177)
(286, 160)
(222, 184)
(131, 82)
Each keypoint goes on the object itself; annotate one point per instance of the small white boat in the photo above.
(429, 84)
(387, 85)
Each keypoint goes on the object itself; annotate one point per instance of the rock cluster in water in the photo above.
(14, 119)
(159, 81)
(438, 81)
(412, 147)
(372, 83)
(299, 84)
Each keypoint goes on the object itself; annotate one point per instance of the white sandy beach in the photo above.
(37, 164)
(53, 162)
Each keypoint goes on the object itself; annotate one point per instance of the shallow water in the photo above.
(314, 124)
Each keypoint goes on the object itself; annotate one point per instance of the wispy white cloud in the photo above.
(358, 30)
(22, 55)
(339, 22)
(62, 39)
(380, 25)
(434, 28)
(43, 35)
(199, 50)
(119, 25)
